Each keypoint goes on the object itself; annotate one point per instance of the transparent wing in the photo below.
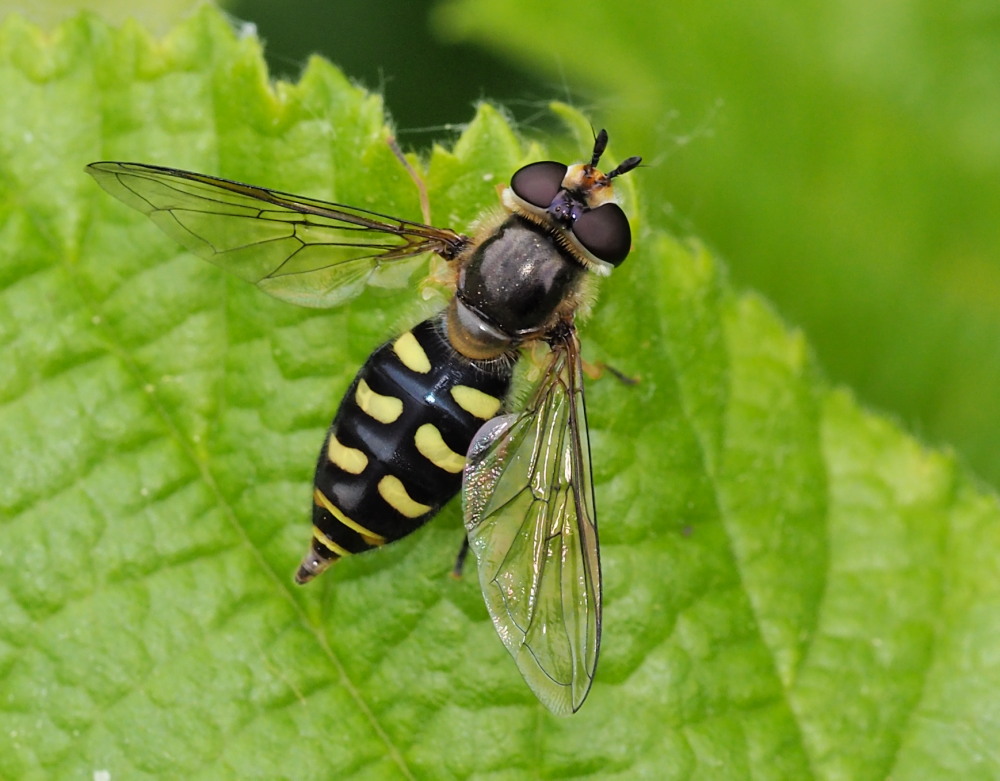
(309, 252)
(530, 519)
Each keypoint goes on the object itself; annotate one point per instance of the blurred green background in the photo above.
(843, 156)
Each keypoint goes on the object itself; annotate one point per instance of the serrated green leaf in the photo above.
(794, 587)
(842, 155)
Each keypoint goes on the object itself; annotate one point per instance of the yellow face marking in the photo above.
(595, 186)
(475, 402)
(409, 351)
(350, 459)
(329, 544)
(432, 446)
(366, 534)
(394, 492)
(385, 409)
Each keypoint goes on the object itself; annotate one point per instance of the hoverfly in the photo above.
(429, 412)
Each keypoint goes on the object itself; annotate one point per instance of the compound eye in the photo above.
(605, 233)
(538, 183)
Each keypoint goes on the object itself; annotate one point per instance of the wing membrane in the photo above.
(306, 251)
(530, 519)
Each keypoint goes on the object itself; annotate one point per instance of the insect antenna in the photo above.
(625, 166)
(600, 144)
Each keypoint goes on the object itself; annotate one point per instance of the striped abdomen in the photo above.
(396, 450)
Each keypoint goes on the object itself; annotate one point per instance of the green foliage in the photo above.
(843, 156)
(794, 588)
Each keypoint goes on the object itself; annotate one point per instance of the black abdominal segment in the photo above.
(396, 450)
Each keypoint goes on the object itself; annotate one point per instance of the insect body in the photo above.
(428, 412)
(396, 450)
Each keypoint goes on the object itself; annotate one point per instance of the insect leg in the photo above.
(456, 571)
(596, 370)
